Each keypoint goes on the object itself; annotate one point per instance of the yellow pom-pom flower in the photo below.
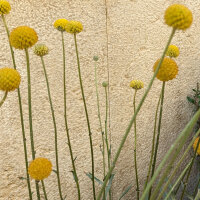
(4, 7)
(41, 50)
(173, 51)
(60, 24)
(23, 37)
(136, 84)
(168, 70)
(195, 146)
(40, 168)
(178, 16)
(74, 27)
(9, 79)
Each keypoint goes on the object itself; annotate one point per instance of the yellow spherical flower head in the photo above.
(136, 84)
(23, 37)
(168, 70)
(173, 51)
(4, 7)
(195, 146)
(40, 168)
(178, 16)
(41, 50)
(74, 27)
(9, 79)
(60, 24)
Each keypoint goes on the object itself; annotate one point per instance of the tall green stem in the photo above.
(21, 113)
(87, 117)
(135, 149)
(158, 135)
(44, 190)
(133, 118)
(100, 124)
(153, 143)
(55, 128)
(30, 116)
(4, 98)
(66, 124)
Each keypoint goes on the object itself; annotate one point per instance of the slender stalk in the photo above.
(158, 135)
(55, 127)
(135, 150)
(44, 190)
(133, 118)
(198, 195)
(66, 123)
(106, 135)
(177, 166)
(4, 98)
(100, 124)
(30, 116)
(190, 169)
(21, 113)
(87, 117)
(171, 155)
(196, 188)
(178, 180)
(153, 143)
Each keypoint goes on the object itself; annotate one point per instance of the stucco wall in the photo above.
(136, 38)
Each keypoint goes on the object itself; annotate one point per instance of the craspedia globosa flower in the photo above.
(173, 51)
(168, 70)
(23, 37)
(9, 79)
(41, 50)
(178, 16)
(60, 24)
(4, 7)
(136, 84)
(195, 146)
(40, 168)
(74, 27)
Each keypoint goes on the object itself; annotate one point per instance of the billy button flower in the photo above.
(40, 168)
(168, 69)
(4, 7)
(173, 51)
(41, 50)
(74, 27)
(23, 37)
(136, 84)
(9, 79)
(60, 24)
(178, 16)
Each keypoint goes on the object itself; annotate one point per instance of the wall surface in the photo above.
(129, 43)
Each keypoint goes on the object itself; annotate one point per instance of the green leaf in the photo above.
(74, 176)
(22, 178)
(125, 191)
(54, 171)
(96, 179)
(190, 100)
(109, 184)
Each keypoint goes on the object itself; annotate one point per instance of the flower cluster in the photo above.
(173, 51)
(40, 168)
(178, 16)
(23, 37)
(41, 50)
(4, 7)
(168, 69)
(195, 146)
(136, 84)
(9, 79)
(60, 24)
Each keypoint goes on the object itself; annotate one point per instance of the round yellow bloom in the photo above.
(40, 168)
(4, 7)
(178, 16)
(173, 51)
(9, 79)
(195, 146)
(136, 84)
(41, 50)
(60, 24)
(74, 27)
(168, 70)
(23, 37)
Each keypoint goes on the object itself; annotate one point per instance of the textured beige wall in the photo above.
(136, 37)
